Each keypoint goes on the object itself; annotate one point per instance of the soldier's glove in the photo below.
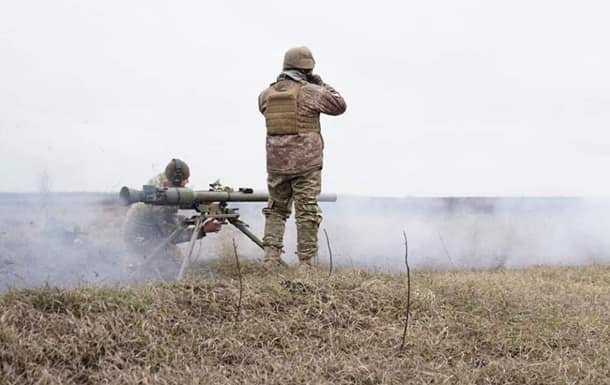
(315, 79)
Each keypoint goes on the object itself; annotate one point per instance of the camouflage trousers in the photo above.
(302, 189)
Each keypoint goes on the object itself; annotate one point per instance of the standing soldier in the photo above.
(292, 107)
(147, 226)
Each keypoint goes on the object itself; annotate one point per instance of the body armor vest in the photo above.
(281, 112)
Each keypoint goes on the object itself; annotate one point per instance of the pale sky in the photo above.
(444, 97)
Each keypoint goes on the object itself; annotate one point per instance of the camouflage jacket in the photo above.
(294, 154)
(146, 226)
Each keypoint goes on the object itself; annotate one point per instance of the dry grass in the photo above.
(536, 326)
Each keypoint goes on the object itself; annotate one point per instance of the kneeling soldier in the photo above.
(147, 226)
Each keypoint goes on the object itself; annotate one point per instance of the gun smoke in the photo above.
(75, 239)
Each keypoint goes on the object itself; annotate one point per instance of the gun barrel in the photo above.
(128, 195)
(187, 198)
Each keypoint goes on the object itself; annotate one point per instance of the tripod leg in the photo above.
(187, 258)
(244, 229)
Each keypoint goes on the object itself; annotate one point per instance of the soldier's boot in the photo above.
(272, 258)
(306, 266)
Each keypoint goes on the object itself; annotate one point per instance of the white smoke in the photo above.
(461, 233)
(76, 239)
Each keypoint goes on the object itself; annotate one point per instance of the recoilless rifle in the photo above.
(209, 205)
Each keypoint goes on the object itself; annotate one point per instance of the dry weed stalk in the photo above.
(404, 333)
(241, 286)
(445, 248)
(330, 255)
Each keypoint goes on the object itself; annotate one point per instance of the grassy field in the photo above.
(534, 326)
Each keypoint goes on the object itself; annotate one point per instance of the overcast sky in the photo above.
(444, 97)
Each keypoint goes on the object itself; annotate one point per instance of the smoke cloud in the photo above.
(76, 239)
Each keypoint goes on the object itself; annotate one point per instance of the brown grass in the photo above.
(536, 326)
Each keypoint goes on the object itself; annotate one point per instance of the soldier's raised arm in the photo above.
(323, 99)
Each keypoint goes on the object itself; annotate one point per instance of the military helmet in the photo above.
(299, 58)
(177, 171)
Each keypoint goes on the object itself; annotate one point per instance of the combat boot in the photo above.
(272, 259)
(306, 266)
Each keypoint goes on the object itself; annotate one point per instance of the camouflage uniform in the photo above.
(147, 226)
(294, 163)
